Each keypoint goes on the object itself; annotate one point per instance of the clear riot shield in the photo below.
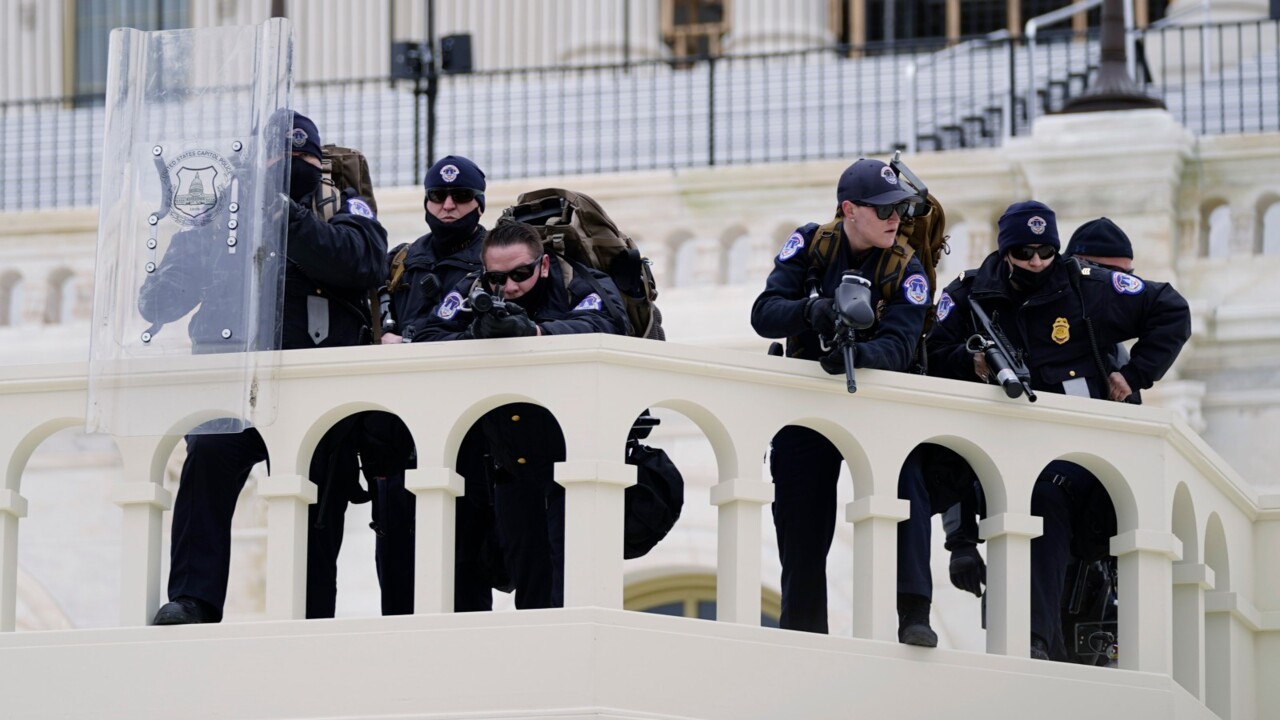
(189, 280)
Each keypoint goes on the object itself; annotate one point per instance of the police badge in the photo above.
(1061, 331)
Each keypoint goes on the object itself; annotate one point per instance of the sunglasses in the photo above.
(884, 211)
(460, 196)
(1026, 252)
(495, 279)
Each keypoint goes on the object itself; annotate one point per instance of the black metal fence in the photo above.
(832, 102)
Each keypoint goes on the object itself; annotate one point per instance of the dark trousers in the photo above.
(395, 510)
(1079, 519)
(529, 510)
(213, 475)
(805, 468)
(933, 479)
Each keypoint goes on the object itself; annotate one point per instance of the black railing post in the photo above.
(711, 109)
(1013, 86)
(626, 36)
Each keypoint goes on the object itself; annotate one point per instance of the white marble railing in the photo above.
(1184, 517)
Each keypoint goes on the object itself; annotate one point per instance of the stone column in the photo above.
(611, 31)
(758, 26)
(12, 508)
(143, 499)
(1008, 537)
(1190, 581)
(875, 521)
(287, 499)
(436, 491)
(1146, 583)
(738, 546)
(593, 513)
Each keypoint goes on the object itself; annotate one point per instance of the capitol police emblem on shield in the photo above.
(1037, 225)
(887, 173)
(590, 302)
(916, 288)
(450, 305)
(449, 173)
(1126, 284)
(791, 246)
(197, 179)
(1061, 331)
(944, 306)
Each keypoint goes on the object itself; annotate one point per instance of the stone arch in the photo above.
(735, 255)
(982, 464)
(1184, 524)
(680, 259)
(27, 445)
(11, 298)
(1215, 228)
(1216, 555)
(60, 298)
(723, 447)
(1121, 494)
(1267, 241)
(851, 450)
(1219, 643)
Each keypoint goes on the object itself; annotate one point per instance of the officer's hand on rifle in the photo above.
(833, 362)
(513, 323)
(968, 571)
(821, 314)
(980, 367)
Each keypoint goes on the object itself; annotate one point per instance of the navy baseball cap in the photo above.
(871, 182)
(455, 171)
(1028, 223)
(304, 137)
(1100, 238)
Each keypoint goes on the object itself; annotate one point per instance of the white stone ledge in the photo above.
(1236, 605)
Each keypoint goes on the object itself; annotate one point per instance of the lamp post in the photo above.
(1114, 89)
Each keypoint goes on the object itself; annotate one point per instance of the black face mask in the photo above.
(451, 235)
(1026, 280)
(536, 297)
(304, 178)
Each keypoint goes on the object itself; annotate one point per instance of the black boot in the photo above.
(913, 621)
(187, 611)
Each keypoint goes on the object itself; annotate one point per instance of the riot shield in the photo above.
(189, 281)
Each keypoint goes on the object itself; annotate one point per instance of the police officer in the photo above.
(524, 439)
(1058, 314)
(454, 201)
(797, 304)
(332, 266)
(1101, 242)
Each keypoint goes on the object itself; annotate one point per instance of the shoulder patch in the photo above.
(916, 288)
(1127, 284)
(450, 305)
(945, 306)
(590, 302)
(791, 246)
(356, 206)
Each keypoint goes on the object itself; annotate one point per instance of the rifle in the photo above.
(990, 340)
(853, 313)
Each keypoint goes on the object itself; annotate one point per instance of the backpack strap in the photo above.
(892, 262)
(826, 243)
(397, 268)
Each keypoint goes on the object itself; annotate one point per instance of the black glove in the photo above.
(296, 211)
(833, 362)
(968, 572)
(514, 323)
(821, 314)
